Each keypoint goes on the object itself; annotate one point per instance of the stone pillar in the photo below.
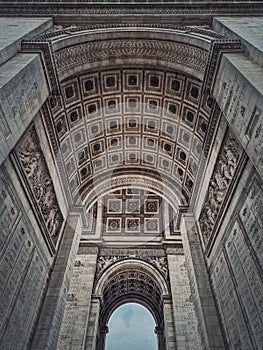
(170, 342)
(74, 324)
(102, 338)
(92, 329)
(185, 320)
(208, 323)
(160, 338)
(47, 331)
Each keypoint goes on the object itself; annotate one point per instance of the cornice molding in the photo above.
(168, 11)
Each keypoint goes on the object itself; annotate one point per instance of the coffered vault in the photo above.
(134, 117)
(126, 176)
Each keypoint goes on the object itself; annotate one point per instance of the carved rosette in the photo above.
(34, 167)
(221, 181)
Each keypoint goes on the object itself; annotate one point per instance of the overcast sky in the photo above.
(131, 327)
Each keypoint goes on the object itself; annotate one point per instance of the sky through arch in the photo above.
(131, 327)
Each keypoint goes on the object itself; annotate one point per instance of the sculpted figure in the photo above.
(30, 161)
(217, 194)
(53, 222)
(163, 265)
(101, 263)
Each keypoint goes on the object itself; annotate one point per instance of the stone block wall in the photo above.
(23, 85)
(235, 265)
(185, 318)
(25, 263)
(76, 315)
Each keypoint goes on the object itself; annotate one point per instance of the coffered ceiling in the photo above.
(131, 120)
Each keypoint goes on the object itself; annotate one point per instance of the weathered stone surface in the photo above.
(46, 337)
(235, 264)
(193, 295)
(246, 29)
(208, 322)
(24, 266)
(185, 319)
(73, 330)
(238, 91)
(14, 30)
(23, 90)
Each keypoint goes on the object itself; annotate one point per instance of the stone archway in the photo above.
(66, 117)
(147, 113)
(133, 280)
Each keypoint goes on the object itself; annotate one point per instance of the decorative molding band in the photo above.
(50, 130)
(212, 127)
(165, 10)
(62, 30)
(45, 50)
(187, 55)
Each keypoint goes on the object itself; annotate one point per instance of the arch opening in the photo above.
(126, 331)
(126, 282)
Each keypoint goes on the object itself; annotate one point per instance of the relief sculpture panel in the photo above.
(156, 258)
(34, 167)
(227, 162)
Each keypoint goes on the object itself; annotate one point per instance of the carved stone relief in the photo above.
(157, 260)
(98, 51)
(226, 165)
(34, 167)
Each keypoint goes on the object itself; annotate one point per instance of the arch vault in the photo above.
(131, 172)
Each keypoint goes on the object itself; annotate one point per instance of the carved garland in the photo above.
(34, 168)
(227, 163)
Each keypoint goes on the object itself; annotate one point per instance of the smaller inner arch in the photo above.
(131, 326)
(131, 281)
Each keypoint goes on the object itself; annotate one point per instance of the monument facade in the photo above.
(131, 171)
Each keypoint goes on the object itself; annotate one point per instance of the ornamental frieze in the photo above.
(34, 168)
(59, 30)
(227, 163)
(168, 51)
(159, 262)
